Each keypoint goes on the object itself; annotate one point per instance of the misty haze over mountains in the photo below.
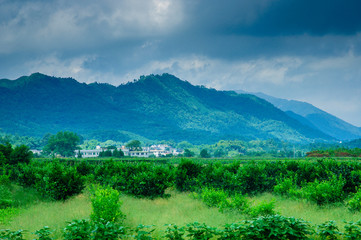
(160, 107)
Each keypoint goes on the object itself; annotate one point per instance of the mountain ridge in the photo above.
(314, 117)
(159, 107)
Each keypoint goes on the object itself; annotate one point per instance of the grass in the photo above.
(52, 214)
(309, 211)
(179, 209)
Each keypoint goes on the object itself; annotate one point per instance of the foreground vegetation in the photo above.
(273, 196)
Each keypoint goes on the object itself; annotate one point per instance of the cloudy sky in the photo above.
(307, 50)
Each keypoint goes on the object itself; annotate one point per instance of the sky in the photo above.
(307, 50)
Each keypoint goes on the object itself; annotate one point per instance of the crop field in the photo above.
(181, 199)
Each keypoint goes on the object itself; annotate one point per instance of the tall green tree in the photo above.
(134, 145)
(21, 154)
(188, 153)
(204, 154)
(63, 143)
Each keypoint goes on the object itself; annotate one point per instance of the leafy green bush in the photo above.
(149, 181)
(240, 203)
(29, 174)
(105, 205)
(186, 175)
(107, 231)
(98, 230)
(143, 232)
(325, 192)
(173, 232)
(20, 154)
(200, 231)
(264, 208)
(355, 202)
(328, 230)
(44, 233)
(353, 230)
(277, 227)
(5, 197)
(215, 198)
(59, 182)
(6, 214)
(284, 186)
(232, 231)
(7, 234)
(78, 229)
(252, 178)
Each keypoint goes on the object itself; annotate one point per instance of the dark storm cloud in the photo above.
(278, 17)
(281, 47)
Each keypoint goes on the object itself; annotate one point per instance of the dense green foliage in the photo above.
(63, 143)
(10, 155)
(105, 205)
(274, 227)
(53, 180)
(224, 186)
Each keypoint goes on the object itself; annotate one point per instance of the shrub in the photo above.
(232, 231)
(6, 214)
(59, 182)
(29, 174)
(107, 230)
(106, 205)
(240, 203)
(186, 175)
(173, 232)
(200, 231)
(252, 178)
(5, 197)
(77, 229)
(325, 192)
(84, 168)
(215, 198)
(21, 154)
(149, 181)
(284, 186)
(355, 202)
(353, 230)
(44, 233)
(328, 230)
(277, 227)
(11, 235)
(264, 208)
(142, 232)
(85, 230)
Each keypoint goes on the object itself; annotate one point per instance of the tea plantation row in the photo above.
(322, 181)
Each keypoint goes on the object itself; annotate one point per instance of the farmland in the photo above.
(185, 193)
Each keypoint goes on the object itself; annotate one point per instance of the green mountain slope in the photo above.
(156, 107)
(315, 118)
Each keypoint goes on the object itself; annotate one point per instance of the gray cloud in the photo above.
(307, 50)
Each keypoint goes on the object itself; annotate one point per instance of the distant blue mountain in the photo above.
(314, 117)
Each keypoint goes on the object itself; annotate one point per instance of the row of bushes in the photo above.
(275, 227)
(52, 180)
(322, 182)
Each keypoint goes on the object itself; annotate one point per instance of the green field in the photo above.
(31, 210)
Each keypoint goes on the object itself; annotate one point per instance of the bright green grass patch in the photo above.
(179, 209)
(310, 211)
(52, 214)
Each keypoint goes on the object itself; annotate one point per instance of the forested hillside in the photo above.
(159, 107)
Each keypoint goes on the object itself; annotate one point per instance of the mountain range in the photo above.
(157, 107)
(315, 118)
